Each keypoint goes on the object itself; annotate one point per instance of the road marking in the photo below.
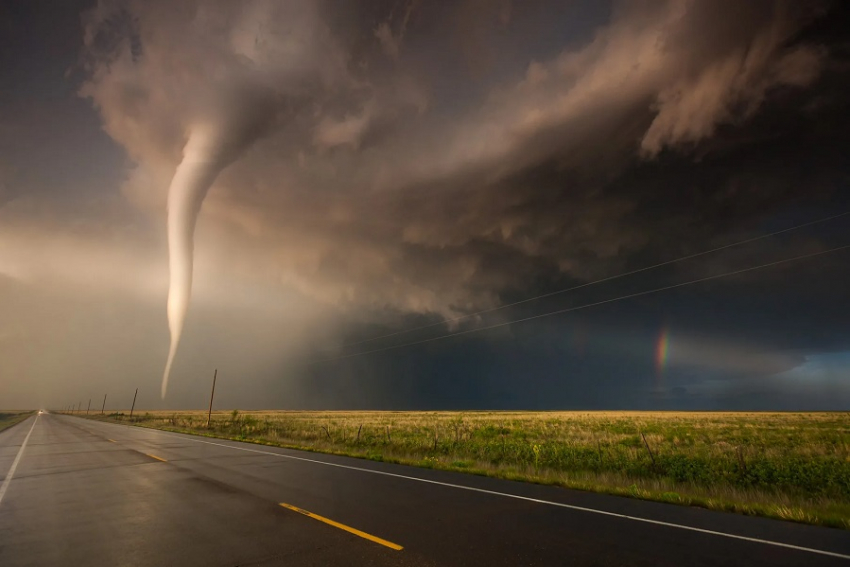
(508, 495)
(17, 460)
(349, 529)
(112, 440)
(155, 457)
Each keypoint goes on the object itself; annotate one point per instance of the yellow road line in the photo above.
(157, 458)
(112, 440)
(351, 530)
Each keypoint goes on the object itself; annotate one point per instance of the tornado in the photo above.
(211, 146)
(201, 164)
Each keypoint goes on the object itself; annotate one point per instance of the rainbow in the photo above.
(662, 351)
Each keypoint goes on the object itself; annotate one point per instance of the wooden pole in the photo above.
(212, 395)
(651, 456)
(134, 403)
(88, 408)
(104, 404)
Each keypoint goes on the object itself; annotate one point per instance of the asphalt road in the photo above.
(89, 493)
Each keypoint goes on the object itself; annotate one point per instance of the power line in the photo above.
(595, 282)
(588, 305)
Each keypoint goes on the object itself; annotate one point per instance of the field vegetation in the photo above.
(794, 466)
(8, 418)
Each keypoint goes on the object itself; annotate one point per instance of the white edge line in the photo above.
(503, 494)
(11, 472)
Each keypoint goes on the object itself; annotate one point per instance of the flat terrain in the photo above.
(793, 466)
(92, 493)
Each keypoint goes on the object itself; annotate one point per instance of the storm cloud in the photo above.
(409, 162)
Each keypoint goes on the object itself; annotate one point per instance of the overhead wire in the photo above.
(595, 282)
(588, 305)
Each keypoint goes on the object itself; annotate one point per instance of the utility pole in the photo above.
(79, 407)
(88, 408)
(212, 395)
(134, 402)
(104, 404)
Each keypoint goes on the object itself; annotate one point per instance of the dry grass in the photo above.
(794, 466)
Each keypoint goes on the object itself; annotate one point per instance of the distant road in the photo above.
(89, 493)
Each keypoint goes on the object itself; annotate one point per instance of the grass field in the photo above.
(794, 466)
(8, 418)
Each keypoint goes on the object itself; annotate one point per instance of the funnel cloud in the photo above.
(240, 105)
(202, 162)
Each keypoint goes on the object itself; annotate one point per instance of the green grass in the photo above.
(8, 418)
(793, 466)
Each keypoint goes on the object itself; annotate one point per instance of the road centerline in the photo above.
(11, 473)
(343, 527)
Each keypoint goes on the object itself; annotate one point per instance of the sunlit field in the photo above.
(8, 418)
(794, 466)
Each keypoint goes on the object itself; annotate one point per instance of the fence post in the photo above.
(134, 403)
(651, 456)
(212, 395)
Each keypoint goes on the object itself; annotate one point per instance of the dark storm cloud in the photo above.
(438, 159)
(370, 188)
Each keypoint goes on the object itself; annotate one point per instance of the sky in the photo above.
(364, 179)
